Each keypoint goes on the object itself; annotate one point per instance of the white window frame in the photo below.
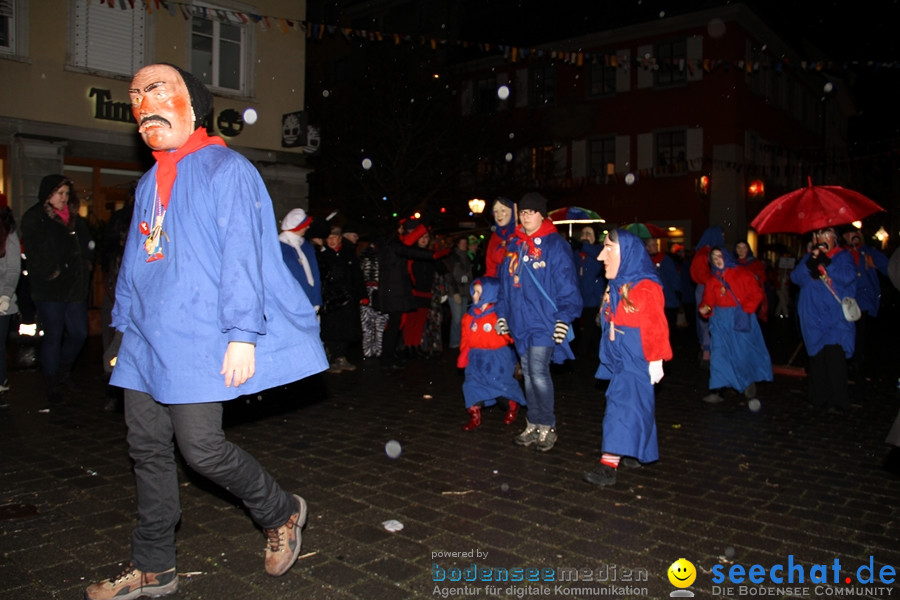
(609, 143)
(107, 41)
(216, 14)
(17, 13)
(671, 70)
(607, 76)
(674, 166)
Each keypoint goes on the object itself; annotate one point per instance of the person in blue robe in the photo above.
(208, 312)
(633, 344)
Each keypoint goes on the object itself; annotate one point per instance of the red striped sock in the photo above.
(610, 460)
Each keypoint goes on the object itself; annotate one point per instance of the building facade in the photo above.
(65, 105)
(668, 122)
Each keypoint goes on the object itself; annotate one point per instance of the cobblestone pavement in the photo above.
(734, 487)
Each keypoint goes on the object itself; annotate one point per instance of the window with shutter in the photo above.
(108, 40)
(7, 27)
(603, 156)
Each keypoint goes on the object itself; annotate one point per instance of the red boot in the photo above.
(474, 418)
(511, 412)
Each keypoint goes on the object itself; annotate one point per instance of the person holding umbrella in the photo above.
(825, 275)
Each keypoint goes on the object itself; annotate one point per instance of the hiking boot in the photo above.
(134, 583)
(334, 368)
(283, 543)
(546, 438)
(750, 392)
(528, 436)
(344, 365)
(630, 463)
(601, 475)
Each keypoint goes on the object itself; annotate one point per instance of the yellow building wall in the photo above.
(39, 86)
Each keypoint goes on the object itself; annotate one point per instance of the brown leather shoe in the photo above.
(283, 543)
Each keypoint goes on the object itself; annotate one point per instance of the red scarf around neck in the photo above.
(547, 227)
(63, 214)
(167, 162)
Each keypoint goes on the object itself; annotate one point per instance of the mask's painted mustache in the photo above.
(156, 118)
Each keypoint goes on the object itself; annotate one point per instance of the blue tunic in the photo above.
(289, 254)
(490, 364)
(868, 261)
(822, 321)
(737, 358)
(591, 280)
(537, 291)
(222, 279)
(629, 424)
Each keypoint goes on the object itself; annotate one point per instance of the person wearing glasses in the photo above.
(539, 299)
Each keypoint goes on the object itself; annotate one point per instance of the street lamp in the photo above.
(476, 205)
(882, 236)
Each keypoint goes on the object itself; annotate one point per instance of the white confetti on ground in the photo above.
(393, 449)
(392, 525)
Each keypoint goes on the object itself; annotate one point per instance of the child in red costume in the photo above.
(487, 357)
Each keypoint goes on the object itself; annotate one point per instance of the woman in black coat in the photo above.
(343, 288)
(395, 295)
(60, 253)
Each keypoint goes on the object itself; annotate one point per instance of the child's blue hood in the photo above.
(490, 291)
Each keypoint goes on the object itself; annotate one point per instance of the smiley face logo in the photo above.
(682, 573)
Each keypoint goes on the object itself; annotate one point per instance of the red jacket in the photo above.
(742, 283)
(480, 332)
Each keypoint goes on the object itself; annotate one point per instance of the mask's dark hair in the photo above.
(613, 236)
(201, 98)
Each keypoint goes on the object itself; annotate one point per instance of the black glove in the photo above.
(559, 332)
(813, 262)
(502, 326)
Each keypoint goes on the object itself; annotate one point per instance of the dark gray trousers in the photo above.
(153, 430)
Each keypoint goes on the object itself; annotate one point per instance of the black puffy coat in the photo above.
(60, 257)
(394, 285)
(342, 289)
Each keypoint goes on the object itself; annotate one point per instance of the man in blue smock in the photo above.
(825, 275)
(208, 312)
(868, 262)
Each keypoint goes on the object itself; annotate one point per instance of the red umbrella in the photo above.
(813, 207)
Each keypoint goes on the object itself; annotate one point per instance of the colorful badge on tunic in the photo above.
(153, 243)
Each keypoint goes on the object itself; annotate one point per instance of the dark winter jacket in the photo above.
(59, 256)
(342, 289)
(394, 286)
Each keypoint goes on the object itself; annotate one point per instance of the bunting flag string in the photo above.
(800, 167)
(579, 58)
